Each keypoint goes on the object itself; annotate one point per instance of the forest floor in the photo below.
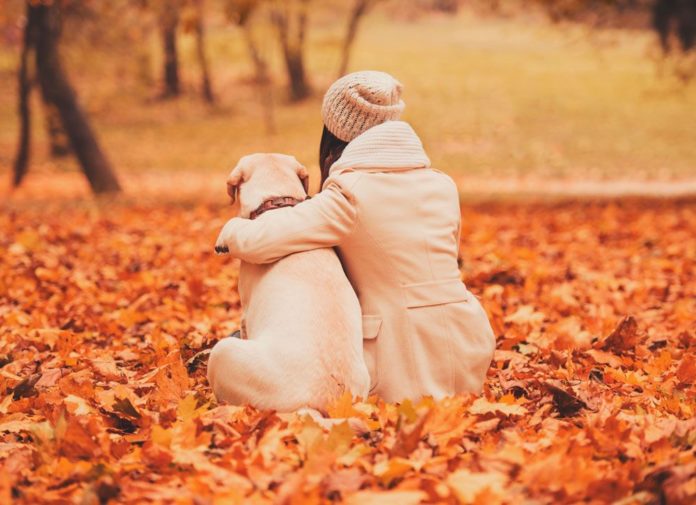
(590, 397)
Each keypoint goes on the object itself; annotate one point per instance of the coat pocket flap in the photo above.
(425, 294)
(371, 326)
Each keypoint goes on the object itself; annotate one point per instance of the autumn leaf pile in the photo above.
(105, 308)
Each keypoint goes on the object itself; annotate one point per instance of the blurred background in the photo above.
(168, 94)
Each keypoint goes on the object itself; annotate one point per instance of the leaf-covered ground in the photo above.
(590, 397)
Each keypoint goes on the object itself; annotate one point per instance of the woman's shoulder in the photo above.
(345, 178)
(443, 175)
(356, 182)
(441, 179)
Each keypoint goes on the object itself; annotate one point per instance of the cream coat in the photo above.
(396, 222)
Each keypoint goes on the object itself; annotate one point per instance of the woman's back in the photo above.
(407, 224)
(424, 332)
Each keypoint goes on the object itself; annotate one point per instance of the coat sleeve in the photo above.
(321, 221)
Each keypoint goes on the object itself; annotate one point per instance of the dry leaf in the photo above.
(624, 337)
(477, 487)
(483, 406)
(386, 498)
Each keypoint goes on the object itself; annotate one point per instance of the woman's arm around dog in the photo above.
(321, 221)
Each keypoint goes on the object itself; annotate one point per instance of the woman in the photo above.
(395, 221)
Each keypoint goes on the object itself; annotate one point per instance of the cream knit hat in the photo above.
(358, 101)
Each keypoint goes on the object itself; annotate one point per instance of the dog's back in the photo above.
(304, 330)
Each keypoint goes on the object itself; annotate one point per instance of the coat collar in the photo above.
(392, 145)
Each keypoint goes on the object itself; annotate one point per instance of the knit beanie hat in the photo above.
(358, 101)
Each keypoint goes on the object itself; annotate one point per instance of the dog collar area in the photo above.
(274, 203)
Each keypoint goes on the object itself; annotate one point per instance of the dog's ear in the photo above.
(304, 176)
(233, 181)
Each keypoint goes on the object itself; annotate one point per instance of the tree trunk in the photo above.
(292, 44)
(261, 77)
(679, 15)
(299, 87)
(686, 28)
(661, 22)
(360, 8)
(206, 88)
(57, 138)
(25, 84)
(169, 22)
(143, 56)
(56, 89)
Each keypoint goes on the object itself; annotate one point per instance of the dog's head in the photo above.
(260, 177)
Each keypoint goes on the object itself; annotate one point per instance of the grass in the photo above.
(490, 98)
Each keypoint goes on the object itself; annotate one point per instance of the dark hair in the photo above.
(330, 149)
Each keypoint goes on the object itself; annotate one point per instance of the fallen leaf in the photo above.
(483, 406)
(386, 498)
(470, 487)
(566, 402)
(686, 372)
(624, 337)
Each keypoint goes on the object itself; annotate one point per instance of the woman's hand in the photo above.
(227, 232)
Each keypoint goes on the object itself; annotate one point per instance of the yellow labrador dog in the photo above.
(301, 342)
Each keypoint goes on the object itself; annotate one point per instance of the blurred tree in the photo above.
(671, 20)
(41, 41)
(142, 22)
(169, 16)
(241, 12)
(677, 15)
(290, 20)
(193, 20)
(448, 6)
(58, 140)
(358, 11)
(25, 82)
(57, 137)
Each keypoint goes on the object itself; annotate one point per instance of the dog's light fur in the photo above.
(302, 318)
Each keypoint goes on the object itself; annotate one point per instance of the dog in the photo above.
(301, 344)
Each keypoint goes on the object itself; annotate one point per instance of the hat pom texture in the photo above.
(356, 102)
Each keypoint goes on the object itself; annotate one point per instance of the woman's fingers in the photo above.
(226, 233)
(221, 242)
